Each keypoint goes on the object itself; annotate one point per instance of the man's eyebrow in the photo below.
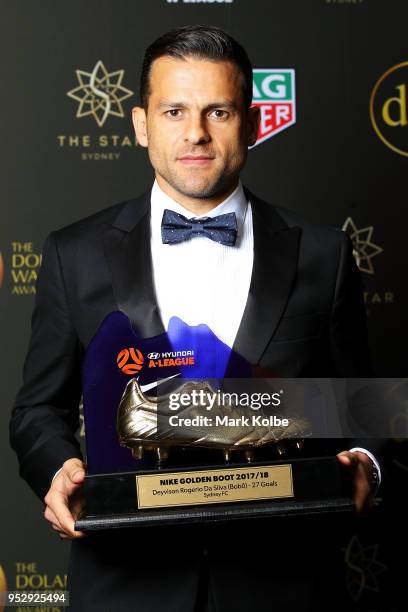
(212, 106)
(165, 104)
(224, 104)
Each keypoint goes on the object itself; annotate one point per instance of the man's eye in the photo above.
(218, 113)
(173, 112)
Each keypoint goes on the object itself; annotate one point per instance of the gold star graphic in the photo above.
(100, 93)
(363, 248)
(362, 567)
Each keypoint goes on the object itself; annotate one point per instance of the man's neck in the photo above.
(198, 206)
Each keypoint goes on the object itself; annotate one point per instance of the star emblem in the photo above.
(363, 248)
(100, 93)
(362, 568)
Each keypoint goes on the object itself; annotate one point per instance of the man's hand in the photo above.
(64, 499)
(362, 470)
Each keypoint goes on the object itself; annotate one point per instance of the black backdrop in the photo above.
(342, 162)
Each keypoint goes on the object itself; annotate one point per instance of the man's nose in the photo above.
(196, 130)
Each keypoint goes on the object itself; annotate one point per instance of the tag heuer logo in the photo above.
(274, 93)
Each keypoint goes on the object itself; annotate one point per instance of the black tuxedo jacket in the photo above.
(304, 317)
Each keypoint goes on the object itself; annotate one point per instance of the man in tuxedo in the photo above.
(284, 293)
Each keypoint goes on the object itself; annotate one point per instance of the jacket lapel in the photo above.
(128, 253)
(276, 248)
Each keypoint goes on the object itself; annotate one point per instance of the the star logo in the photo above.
(100, 93)
(362, 568)
(363, 247)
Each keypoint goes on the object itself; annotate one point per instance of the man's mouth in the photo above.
(196, 160)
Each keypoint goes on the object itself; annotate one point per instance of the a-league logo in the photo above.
(274, 93)
(130, 360)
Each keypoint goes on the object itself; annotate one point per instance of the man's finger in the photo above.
(361, 469)
(64, 516)
(60, 532)
(50, 516)
(362, 494)
(74, 469)
(347, 458)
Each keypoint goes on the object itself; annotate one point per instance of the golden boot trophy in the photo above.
(138, 414)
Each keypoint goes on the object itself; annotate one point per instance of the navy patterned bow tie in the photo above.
(177, 228)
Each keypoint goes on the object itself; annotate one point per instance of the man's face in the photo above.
(196, 128)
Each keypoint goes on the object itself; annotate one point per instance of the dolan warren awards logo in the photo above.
(274, 94)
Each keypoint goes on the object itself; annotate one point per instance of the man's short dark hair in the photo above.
(202, 41)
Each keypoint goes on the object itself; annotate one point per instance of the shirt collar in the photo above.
(236, 202)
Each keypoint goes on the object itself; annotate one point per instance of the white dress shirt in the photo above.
(200, 280)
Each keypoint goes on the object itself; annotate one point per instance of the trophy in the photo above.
(164, 446)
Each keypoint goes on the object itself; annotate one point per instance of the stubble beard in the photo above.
(209, 188)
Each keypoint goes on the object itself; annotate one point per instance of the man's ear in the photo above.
(139, 123)
(253, 121)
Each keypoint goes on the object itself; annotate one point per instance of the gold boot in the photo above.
(137, 424)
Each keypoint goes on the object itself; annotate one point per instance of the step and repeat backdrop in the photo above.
(330, 77)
